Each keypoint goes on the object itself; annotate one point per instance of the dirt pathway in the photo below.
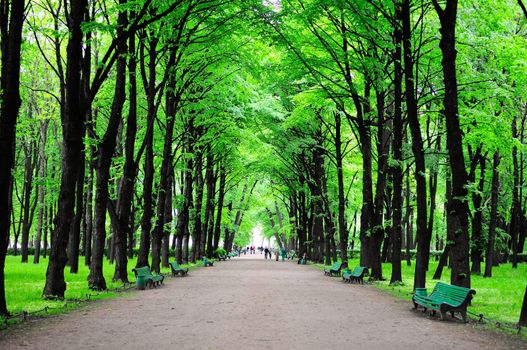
(253, 304)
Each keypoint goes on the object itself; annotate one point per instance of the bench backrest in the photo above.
(359, 270)
(451, 294)
(175, 265)
(142, 271)
(337, 266)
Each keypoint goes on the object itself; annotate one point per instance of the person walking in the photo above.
(266, 251)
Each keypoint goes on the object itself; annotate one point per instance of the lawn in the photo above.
(25, 282)
(498, 298)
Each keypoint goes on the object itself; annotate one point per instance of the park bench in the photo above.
(335, 269)
(292, 255)
(232, 255)
(355, 275)
(222, 257)
(177, 269)
(444, 298)
(151, 279)
(207, 262)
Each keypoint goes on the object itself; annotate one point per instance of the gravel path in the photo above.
(252, 303)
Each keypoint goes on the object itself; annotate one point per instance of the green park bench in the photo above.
(151, 280)
(232, 255)
(177, 269)
(207, 262)
(444, 298)
(335, 269)
(292, 255)
(222, 257)
(355, 275)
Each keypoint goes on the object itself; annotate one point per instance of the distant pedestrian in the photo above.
(266, 251)
(277, 253)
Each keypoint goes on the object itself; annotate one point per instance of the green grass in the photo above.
(498, 298)
(25, 282)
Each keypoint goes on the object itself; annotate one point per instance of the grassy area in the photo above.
(498, 298)
(25, 282)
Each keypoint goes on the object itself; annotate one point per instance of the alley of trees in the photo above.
(394, 130)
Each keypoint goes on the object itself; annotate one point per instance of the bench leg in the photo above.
(443, 315)
(415, 305)
(464, 316)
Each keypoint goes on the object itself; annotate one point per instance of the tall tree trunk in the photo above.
(477, 222)
(89, 214)
(106, 150)
(72, 126)
(166, 167)
(74, 240)
(343, 227)
(197, 233)
(210, 181)
(493, 221)
(11, 39)
(126, 191)
(41, 189)
(184, 214)
(457, 206)
(303, 231)
(397, 143)
(168, 220)
(423, 235)
(221, 197)
(148, 180)
(516, 201)
(367, 192)
(377, 233)
(29, 169)
(446, 251)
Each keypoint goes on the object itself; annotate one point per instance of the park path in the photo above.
(252, 303)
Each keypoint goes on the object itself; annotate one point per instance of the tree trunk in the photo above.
(11, 39)
(184, 214)
(457, 206)
(210, 181)
(74, 240)
(493, 221)
(41, 189)
(106, 150)
(29, 169)
(397, 144)
(72, 126)
(423, 235)
(166, 167)
(221, 197)
(148, 180)
(198, 204)
(477, 221)
(523, 313)
(126, 191)
(516, 205)
(377, 234)
(168, 220)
